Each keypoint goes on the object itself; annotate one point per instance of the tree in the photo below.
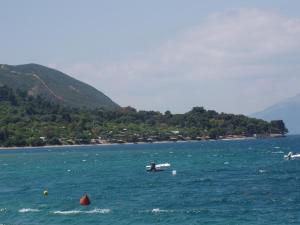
(168, 114)
(54, 141)
(35, 141)
(3, 134)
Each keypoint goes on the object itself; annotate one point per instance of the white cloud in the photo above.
(237, 61)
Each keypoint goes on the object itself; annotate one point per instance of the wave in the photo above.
(197, 211)
(73, 212)
(26, 210)
(101, 211)
(190, 211)
(158, 210)
(278, 152)
(202, 179)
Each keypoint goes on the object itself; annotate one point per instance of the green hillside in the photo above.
(33, 121)
(54, 86)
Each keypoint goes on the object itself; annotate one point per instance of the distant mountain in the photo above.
(287, 110)
(54, 86)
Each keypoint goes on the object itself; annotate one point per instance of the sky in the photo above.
(227, 55)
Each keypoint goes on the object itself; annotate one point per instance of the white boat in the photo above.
(157, 167)
(291, 156)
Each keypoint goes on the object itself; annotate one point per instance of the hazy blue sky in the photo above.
(232, 56)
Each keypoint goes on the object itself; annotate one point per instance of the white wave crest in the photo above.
(67, 212)
(158, 210)
(26, 210)
(73, 212)
(100, 211)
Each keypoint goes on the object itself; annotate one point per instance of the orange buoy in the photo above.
(85, 200)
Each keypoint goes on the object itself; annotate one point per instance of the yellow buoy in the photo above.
(45, 193)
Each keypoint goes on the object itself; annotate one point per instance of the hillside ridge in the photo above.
(49, 89)
(54, 85)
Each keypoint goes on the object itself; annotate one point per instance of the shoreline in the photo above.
(90, 145)
(127, 143)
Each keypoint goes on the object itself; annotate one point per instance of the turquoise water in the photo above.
(218, 182)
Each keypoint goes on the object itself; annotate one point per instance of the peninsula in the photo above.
(40, 112)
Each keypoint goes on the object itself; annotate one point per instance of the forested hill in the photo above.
(54, 86)
(33, 121)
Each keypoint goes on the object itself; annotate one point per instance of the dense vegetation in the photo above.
(34, 121)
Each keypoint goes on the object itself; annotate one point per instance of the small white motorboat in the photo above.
(291, 156)
(157, 167)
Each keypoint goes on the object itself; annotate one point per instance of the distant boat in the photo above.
(157, 167)
(292, 156)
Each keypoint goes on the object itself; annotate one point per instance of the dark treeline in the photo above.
(33, 121)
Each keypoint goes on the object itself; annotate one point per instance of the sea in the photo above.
(209, 182)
